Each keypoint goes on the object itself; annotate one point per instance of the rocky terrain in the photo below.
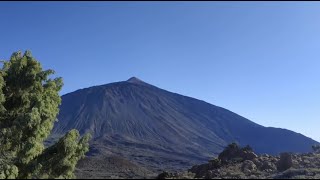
(158, 130)
(110, 167)
(242, 163)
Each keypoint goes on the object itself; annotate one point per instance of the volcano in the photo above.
(157, 129)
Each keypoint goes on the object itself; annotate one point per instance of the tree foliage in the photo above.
(29, 104)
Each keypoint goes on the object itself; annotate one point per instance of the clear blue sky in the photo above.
(258, 59)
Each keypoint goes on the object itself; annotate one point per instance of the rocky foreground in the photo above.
(242, 163)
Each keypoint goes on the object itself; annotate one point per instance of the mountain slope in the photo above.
(159, 129)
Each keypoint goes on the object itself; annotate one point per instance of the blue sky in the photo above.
(258, 59)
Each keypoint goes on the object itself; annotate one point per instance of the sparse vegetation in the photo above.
(29, 103)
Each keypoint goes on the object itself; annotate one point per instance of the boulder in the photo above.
(234, 153)
(285, 162)
(229, 153)
(248, 167)
(211, 174)
(267, 166)
(258, 163)
(274, 160)
(265, 155)
(215, 163)
(248, 155)
(164, 175)
(200, 170)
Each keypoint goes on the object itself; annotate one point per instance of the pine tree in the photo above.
(29, 104)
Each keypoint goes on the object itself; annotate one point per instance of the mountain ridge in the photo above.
(138, 81)
(159, 129)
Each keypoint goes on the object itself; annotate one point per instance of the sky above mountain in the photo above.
(258, 59)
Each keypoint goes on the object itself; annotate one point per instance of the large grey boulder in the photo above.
(285, 162)
(248, 167)
(268, 166)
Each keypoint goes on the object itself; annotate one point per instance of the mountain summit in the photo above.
(135, 80)
(158, 129)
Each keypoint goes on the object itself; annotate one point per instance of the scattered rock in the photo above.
(287, 165)
(291, 173)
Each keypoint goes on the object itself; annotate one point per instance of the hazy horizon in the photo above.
(257, 59)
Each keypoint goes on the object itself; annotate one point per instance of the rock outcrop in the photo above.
(233, 165)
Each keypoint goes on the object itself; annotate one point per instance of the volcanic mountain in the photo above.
(157, 129)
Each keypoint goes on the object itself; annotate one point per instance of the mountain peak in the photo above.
(134, 120)
(135, 80)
